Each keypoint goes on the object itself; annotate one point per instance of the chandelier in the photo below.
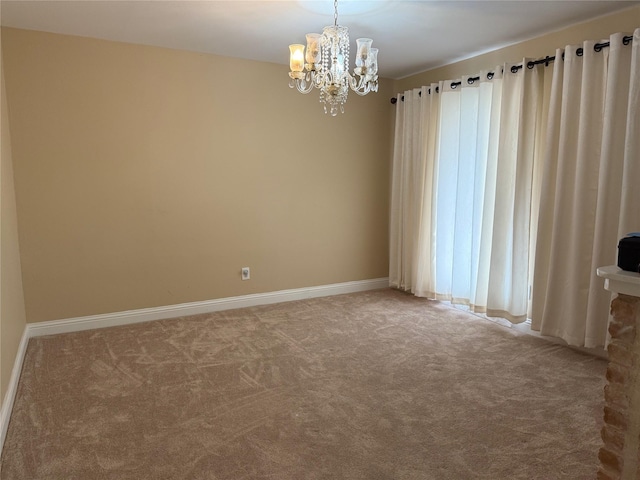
(327, 66)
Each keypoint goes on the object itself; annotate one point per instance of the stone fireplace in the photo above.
(620, 454)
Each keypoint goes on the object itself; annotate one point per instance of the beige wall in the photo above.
(149, 177)
(623, 21)
(12, 312)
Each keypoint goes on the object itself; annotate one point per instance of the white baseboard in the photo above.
(77, 324)
(12, 387)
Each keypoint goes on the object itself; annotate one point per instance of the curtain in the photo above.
(415, 150)
(462, 190)
(589, 192)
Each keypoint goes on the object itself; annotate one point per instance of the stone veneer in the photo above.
(620, 455)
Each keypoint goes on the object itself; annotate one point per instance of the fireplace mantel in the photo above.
(620, 281)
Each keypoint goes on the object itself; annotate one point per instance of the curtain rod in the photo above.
(626, 40)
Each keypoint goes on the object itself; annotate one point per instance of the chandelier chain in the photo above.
(335, 13)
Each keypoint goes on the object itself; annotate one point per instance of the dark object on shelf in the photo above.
(629, 253)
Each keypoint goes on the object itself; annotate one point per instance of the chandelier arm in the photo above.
(303, 86)
(362, 94)
(363, 90)
(355, 83)
(303, 82)
(360, 85)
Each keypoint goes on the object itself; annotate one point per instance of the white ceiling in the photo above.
(412, 36)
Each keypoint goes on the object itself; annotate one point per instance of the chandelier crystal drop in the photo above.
(326, 66)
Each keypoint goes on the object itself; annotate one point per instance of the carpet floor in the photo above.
(373, 385)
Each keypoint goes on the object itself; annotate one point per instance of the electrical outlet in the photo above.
(245, 273)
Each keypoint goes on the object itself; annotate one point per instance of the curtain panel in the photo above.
(590, 196)
(510, 211)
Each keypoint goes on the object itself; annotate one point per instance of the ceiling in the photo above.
(412, 36)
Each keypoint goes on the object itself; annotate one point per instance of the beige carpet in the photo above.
(373, 385)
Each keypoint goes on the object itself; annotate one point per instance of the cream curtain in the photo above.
(590, 196)
(415, 150)
(462, 190)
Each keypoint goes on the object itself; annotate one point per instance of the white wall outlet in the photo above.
(245, 273)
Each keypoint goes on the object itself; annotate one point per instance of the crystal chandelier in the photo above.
(327, 66)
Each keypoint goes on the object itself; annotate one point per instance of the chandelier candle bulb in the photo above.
(372, 63)
(313, 48)
(364, 45)
(296, 60)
